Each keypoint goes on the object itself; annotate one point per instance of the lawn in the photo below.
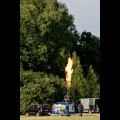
(72, 117)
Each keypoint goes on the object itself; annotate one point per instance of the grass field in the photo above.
(72, 117)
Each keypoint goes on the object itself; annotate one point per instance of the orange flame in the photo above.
(69, 71)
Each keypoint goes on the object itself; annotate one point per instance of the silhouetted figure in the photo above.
(80, 109)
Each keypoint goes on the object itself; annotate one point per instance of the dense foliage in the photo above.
(47, 37)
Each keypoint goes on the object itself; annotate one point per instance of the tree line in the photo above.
(47, 37)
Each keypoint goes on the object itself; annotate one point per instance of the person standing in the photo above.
(67, 109)
(80, 109)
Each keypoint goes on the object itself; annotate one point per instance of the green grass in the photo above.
(72, 117)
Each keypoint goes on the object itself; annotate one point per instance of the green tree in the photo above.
(93, 87)
(78, 85)
(59, 87)
(88, 49)
(47, 35)
(39, 87)
(35, 89)
(97, 91)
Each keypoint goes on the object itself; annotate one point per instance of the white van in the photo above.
(91, 104)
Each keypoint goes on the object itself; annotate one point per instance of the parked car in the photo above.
(38, 110)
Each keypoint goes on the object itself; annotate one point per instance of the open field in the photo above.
(86, 116)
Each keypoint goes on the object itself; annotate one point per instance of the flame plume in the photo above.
(69, 71)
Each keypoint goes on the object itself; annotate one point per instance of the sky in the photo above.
(86, 15)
